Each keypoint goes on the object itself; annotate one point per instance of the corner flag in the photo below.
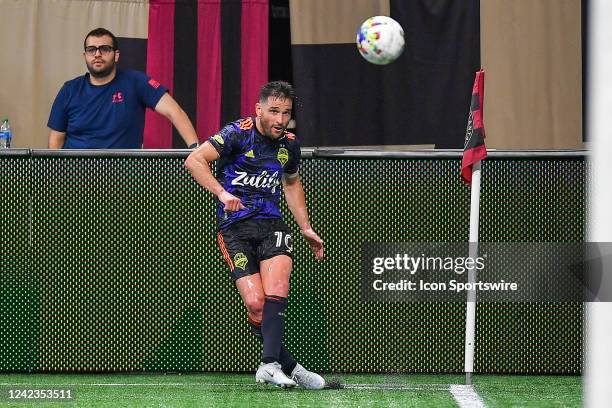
(474, 148)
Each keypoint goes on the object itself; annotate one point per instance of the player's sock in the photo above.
(284, 358)
(255, 327)
(287, 361)
(273, 327)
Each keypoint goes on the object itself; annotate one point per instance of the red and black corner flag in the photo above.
(474, 148)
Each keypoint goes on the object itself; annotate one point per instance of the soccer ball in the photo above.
(380, 40)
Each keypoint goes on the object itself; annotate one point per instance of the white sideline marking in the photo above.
(396, 387)
(466, 396)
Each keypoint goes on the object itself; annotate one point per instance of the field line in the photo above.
(466, 396)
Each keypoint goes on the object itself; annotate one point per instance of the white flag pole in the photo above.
(470, 312)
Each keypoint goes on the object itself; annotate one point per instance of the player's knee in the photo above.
(254, 304)
(278, 288)
(277, 277)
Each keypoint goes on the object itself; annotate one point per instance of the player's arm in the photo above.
(296, 201)
(56, 139)
(168, 107)
(198, 164)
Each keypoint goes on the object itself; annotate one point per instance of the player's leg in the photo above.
(244, 271)
(251, 291)
(252, 294)
(275, 281)
(275, 274)
(275, 263)
(275, 253)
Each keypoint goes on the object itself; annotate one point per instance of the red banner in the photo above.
(474, 148)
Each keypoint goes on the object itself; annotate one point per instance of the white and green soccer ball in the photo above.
(380, 40)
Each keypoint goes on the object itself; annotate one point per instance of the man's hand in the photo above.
(316, 243)
(231, 202)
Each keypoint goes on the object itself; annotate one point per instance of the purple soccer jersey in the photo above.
(251, 167)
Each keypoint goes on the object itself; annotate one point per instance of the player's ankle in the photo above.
(288, 369)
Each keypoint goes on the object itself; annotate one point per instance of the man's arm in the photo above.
(198, 164)
(56, 139)
(294, 194)
(168, 107)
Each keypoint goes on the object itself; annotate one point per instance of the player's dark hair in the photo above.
(276, 89)
(101, 32)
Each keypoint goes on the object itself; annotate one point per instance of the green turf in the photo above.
(530, 391)
(206, 390)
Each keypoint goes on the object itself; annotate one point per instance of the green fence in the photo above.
(109, 263)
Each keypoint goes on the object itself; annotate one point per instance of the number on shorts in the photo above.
(287, 240)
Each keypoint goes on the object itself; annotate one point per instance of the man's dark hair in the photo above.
(276, 89)
(101, 32)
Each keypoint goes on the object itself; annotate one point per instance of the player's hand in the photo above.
(316, 243)
(230, 202)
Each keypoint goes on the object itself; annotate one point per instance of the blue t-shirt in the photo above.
(251, 167)
(109, 116)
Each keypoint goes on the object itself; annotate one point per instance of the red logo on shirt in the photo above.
(154, 83)
(117, 97)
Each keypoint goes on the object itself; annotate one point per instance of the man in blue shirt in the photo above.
(105, 108)
(256, 156)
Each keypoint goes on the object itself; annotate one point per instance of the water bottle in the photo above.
(5, 134)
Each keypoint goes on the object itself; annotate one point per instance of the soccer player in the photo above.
(257, 155)
(105, 108)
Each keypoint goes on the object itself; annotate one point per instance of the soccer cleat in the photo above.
(307, 379)
(272, 373)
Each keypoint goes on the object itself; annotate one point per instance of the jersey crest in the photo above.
(282, 156)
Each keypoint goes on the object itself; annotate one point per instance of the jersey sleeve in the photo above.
(295, 156)
(58, 118)
(149, 90)
(226, 141)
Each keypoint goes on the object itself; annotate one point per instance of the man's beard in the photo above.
(268, 129)
(103, 73)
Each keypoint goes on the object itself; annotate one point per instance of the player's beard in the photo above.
(103, 72)
(269, 128)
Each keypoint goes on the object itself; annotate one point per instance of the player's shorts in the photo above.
(246, 243)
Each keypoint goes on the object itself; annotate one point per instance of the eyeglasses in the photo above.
(104, 50)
